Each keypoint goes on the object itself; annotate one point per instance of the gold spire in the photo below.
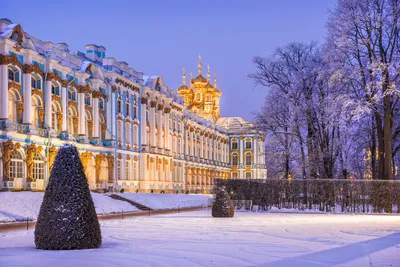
(215, 79)
(199, 65)
(191, 75)
(183, 76)
(208, 73)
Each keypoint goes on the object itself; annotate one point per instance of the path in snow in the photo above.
(248, 239)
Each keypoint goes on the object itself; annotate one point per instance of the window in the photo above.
(134, 170)
(101, 103)
(198, 97)
(119, 105)
(119, 169)
(234, 159)
(16, 165)
(36, 82)
(235, 145)
(248, 175)
(208, 98)
(234, 175)
(87, 99)
(55, 90)
(119, 130)
(135, 135)
(72, 94)
(248, 159)
(134, 115)
(128, 175)
(248, 144)
(13, 74)
(38, 167)
(127, 137)
(15, 36)
(127, 105)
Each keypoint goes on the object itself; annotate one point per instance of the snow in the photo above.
(168, 201)
(16, 206)
(248, 239)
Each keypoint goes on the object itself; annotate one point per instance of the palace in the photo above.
(132, 131)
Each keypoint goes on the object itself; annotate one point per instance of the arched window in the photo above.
(72, 115)
(13, 74)
(36, 105)
(36, 81)
(248, 159)
(38, 167)
(55, 113)
(16, 165)
(234, 159)
(89, 122)
(15, 36)
(72, 94)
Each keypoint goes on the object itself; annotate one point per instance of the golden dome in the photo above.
(199, 79)
(183, 87)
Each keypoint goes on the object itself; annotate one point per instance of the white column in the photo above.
(166, 118)
(159, 117)
(192, 143)
(27, 98)
(187, 142)
(109, 116)
(123, 169)
(255, 150)
(201, 146)
(241, 150)
(113, 113)
(143, 122)
(64, 103)
(4, 92)
(82, 119)
(96, 122)
(152, 118)
(47, 107)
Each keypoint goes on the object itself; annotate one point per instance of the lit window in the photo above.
(234, 159)
(87, 99)
(16, 165)
(38, 167)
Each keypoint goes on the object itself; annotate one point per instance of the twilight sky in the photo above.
(159, 37)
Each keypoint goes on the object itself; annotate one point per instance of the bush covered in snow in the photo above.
(222, 206)
(67, 217)
(325, 195)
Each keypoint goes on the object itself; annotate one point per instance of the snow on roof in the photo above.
(8, 30)
(234, 123)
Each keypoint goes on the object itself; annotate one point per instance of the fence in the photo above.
(328, 195)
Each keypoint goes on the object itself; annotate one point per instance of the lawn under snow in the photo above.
(248, 239)
(168, 201)
(16, 206)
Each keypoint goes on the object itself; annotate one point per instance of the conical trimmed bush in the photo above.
(67, 217)
(222, 206)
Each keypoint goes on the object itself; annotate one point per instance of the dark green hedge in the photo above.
(325, 195)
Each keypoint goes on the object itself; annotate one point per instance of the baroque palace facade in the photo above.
(132, 131)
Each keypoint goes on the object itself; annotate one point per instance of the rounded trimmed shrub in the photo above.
(222, 206)
(67, 217)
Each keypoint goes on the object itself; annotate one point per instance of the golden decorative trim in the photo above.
(98, 160)
(30, 153)
(113, 88)
(82, 89)
(12, 60)
(153, 104)
(110, 162)
(52, 154)
(86, 157)
(167, 110)
(28, 69)
(56, 98)
(6, 150)
(128, 157)
(98, 94)
(160, 106)
(53, 76)
(15, 85)
(127, 84)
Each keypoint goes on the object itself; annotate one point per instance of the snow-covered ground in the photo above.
(248, 239)
(168, 201)
(16, 206)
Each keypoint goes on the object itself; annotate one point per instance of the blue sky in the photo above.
(159, 37)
